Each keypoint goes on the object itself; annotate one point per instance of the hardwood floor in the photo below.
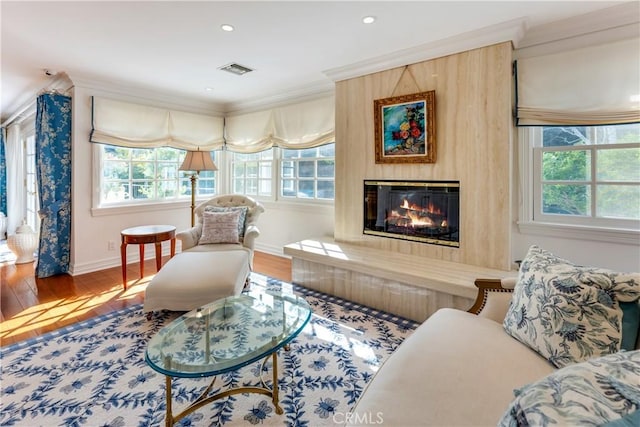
(30, 307)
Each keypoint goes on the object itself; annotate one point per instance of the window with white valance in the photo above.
(595, 85)
(296, 126)
(125, 124)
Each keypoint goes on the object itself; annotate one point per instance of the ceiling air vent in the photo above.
(236, 69)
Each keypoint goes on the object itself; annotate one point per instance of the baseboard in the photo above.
(103, 264)
(271, 250)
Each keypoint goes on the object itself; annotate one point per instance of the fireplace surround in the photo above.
(419, 211)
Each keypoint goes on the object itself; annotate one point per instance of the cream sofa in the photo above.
(457, 369)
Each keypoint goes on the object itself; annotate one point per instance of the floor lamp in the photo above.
(196, 161)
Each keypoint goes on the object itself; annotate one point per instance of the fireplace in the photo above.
(419, 211)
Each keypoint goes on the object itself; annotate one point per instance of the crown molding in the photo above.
(60, 82)
(604, 26)
(315, 90)
(624, 18)
(147, 96)
(154, 98)
(512, 30)
(596, 38)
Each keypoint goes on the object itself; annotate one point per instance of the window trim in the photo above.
(141, 207)
(550, 225)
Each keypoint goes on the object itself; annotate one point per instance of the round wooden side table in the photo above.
(142, 235)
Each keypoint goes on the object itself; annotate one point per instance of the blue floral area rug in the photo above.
(94, 373)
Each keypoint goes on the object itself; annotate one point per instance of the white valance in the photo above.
(302, 125)
(139, 126)
(250, 132)
(596, 85)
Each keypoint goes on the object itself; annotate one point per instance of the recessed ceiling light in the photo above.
(208, 89)
(227, 27)
(369, 19)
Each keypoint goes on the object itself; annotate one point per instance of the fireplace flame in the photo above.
(418, 221)
(430, 209)
(415, 216)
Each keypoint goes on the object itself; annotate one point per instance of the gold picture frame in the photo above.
(405, 128)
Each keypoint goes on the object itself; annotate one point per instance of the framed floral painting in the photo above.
(405, 128)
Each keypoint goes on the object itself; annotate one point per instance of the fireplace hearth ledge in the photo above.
(410, 286)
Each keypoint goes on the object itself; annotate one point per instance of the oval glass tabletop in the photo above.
(227, 334)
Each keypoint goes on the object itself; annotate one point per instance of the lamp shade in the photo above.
(198, 161)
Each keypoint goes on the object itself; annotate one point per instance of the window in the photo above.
(144, 175)
(586, 175)
(252, 173)
(31, 180)
(308, 173)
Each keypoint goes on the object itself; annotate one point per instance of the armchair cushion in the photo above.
(241, 220)
(219, 227)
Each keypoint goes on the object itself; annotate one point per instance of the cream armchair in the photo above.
(189, 238)
(204, 273)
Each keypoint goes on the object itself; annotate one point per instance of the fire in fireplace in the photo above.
(421, 211)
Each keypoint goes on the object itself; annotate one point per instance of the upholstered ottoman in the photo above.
(192, 279)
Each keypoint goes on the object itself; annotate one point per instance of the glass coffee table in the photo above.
(224, 336)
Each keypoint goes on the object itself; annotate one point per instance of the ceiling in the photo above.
(176, 47)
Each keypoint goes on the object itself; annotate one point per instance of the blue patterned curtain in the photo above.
(3, 176)
(53, 167)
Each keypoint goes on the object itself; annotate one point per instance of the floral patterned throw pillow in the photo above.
(591, 393)
(219, 227)
(568, 313)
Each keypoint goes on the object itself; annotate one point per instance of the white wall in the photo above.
(284, 223)
(92, 231)
(615, 256)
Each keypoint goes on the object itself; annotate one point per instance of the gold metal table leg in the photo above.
(205, 399)
(168, 422)
(275, 398)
